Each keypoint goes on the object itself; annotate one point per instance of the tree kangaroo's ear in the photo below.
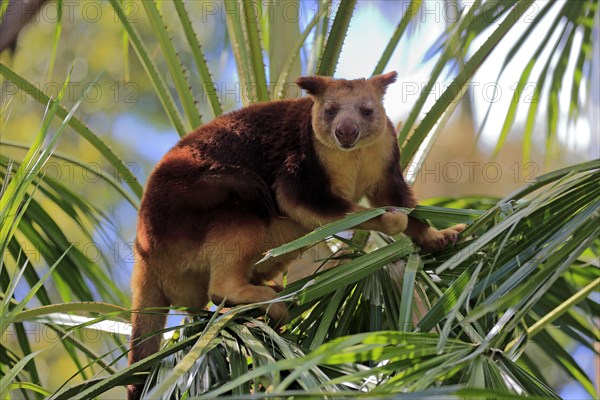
(381, 82)
(314, 85)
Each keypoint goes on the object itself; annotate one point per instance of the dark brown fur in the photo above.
(257, 178)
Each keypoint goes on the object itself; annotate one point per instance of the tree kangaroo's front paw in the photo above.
(433, 240)
(394, 222)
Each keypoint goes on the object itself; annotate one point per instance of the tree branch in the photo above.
(18, 13)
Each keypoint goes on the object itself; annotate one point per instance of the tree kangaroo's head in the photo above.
(348, 114)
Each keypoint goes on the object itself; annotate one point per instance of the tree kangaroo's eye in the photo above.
(367, 112)
(330, 112)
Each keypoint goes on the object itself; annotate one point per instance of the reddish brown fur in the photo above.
(257, 178)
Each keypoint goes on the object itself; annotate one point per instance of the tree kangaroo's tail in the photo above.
(146, 294)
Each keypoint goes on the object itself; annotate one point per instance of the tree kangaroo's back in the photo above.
(254, 179)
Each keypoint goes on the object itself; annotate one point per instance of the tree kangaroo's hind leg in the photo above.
(235, 249)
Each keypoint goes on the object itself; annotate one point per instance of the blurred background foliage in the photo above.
(484, 148)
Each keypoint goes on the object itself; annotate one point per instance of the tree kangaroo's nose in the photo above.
(347, 133)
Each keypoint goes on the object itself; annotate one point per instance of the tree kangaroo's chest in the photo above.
(354, 174)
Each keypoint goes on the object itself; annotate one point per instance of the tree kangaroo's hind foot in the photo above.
(235, 288)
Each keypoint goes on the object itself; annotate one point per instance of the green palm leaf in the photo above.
(335, 39)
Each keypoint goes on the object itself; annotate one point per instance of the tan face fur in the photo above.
(348, 114)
